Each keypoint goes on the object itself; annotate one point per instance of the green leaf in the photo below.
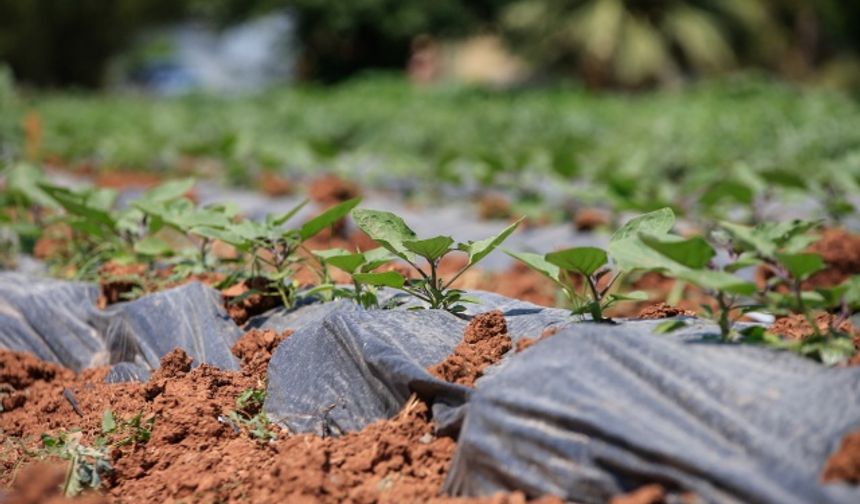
(385, 279)
(277, 221)
(801, 266)
(170, 190)
(658, 222)
(693, 252)
(628, 252)
(629, 296)
(747, 237)
(744, 260)
(583, 260)
(482, 248)
(108, 422)
(375, 258)
(385, 228)
(717, 280)
(91, 204)
(669, 326)
(727, 189)
(342, 259)
(327, 218)
(538, 263)
(152, 246)
(431, 248)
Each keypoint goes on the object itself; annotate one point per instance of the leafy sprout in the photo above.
(392, 233)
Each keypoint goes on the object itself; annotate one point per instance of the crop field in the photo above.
(380, 292)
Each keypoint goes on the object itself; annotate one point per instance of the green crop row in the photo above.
(163, 228)
(732, 144)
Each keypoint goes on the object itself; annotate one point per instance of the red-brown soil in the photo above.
(330, 189)
(194, 455)
(844, 465)
(589, 219)
(274, 185)
(796, 327)
(254, 349)
(663, 310)
(484, 343)
(117, 281)
(494, 206)
(240, 310)
(527, 342)
(125, 179)
(840, 250)
(648, 494)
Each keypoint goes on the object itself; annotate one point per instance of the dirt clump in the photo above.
(589, 219)
(127, 179)
(844, 465)
(526, 342)
(241, 305)
(330, 189)
(254, 349)
(485, 340)
(117, 281)
(663, 310)
(841, 252)
(796, 327)
(41, 483)
(19, 372)
(275, 185)
(494, 207)
(648, 494)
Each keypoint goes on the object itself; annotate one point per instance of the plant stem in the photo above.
(724, 322)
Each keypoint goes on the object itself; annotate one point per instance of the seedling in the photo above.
(249, 415)
(134, 431)
(394, 235)
(591, 264)
(357, 265)
(87, 465)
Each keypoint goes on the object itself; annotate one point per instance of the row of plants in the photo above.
(164, 229)
(726, 145)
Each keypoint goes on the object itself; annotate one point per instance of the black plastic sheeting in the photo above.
(596, 410)
(591, 412)
(59, 321)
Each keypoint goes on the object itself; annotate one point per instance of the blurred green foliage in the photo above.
(636, 42)
(720, 143)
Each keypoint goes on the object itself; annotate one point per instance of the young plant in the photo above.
(87, 465)
(591, 264)
(646, 244)
(249, 415)
(134, 431)
(275, 251)
(360, 266)
(394, 235)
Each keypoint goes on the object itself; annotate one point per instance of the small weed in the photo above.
(249, 415)
(87, 465)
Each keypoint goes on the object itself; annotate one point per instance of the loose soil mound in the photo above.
(663, 310)
(248, 298)
(484, 342)
(196, 453)
(796, 327)
(254, 349)
(844, 465)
